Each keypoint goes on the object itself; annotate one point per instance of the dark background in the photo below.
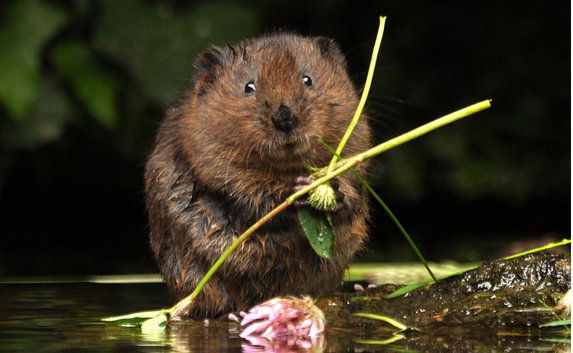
(83, 86)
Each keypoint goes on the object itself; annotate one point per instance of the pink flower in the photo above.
(284, 317)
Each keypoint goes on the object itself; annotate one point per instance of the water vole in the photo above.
(250, 120)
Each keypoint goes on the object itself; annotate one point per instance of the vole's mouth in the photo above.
(290, 146)
(293, 143)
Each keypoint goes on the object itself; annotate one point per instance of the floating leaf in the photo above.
(395, 337)
(154, 325)
(134, 318)
(151, 321)
(319, 230)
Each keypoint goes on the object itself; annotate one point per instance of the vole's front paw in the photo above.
(296, 185)
(301, 182)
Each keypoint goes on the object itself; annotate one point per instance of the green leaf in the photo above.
(30, 24)
(387, 319)
(557, 323)
(151, 321)
(154, 325)
(319, 230)
(134, 318)
(96, 87)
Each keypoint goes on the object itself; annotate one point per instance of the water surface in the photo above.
(58, 315)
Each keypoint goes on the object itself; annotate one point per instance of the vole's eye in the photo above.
(307, 81)
(250, 87)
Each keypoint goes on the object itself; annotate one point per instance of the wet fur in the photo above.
(220, 164)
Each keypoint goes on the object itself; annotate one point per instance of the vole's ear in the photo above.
(329, 47)
(207, 69)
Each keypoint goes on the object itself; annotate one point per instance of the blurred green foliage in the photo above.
(29, 25)
(157, 45)
(54, 70)
(84, 84)
(119, 63)
(95, 87)
(519, 56)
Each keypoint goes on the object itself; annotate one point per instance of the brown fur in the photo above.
(220, 163)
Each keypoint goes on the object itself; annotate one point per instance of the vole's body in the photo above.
(251, 119)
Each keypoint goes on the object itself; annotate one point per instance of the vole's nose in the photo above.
(284, 119)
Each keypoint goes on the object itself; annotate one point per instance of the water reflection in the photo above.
(52, 316)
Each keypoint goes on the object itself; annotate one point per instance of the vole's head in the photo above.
(268, 101)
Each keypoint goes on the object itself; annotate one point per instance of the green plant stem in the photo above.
(341, 167)
(181, 307)
(545, 247)
(413, 286)
(395, 220)
(387, 209)
(424, 129)
(364, 96)
(349, 163)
